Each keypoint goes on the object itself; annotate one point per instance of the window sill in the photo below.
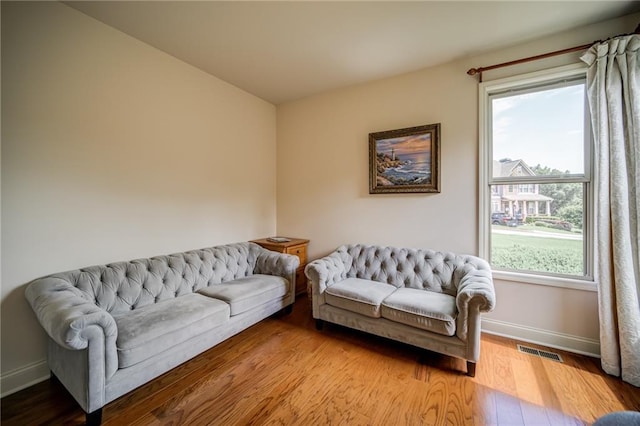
(573, 283)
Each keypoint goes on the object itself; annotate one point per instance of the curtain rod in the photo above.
(480, 70)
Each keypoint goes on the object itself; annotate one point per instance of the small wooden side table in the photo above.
(295, 246)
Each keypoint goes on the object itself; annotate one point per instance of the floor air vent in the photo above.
(537, 352)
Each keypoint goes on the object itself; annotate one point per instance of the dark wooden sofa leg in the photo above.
(319, 324)
(94, 418)
(471, 369)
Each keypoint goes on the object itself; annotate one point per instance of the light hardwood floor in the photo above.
(283, 371)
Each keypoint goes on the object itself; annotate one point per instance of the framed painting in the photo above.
(405, 160)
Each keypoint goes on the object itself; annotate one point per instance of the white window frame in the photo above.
(484, 196)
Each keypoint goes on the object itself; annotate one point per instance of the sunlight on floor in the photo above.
(545, 392)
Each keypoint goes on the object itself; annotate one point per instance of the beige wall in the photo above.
(323, 178)
(113, 150)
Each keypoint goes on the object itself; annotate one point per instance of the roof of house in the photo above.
(511, 168)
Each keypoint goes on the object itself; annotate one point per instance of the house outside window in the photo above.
(535, 174)
(521, 200)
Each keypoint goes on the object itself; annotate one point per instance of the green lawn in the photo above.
(540, 254)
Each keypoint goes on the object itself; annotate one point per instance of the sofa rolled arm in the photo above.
(66, 315)
(326, 271)
(474, 290)
(274, 263)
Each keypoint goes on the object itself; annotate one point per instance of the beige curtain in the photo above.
(613, 80)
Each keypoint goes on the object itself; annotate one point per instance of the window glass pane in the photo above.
(539, 231)
(539, 133)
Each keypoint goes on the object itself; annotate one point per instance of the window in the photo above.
(535, 169)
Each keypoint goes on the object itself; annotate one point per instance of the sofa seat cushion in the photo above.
(148, 331)
(422, 309)
(246, 293)
(358, 295)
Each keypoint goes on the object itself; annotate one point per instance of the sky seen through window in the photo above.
(544, 127)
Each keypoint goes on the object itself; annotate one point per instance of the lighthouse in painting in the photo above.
(393, 154)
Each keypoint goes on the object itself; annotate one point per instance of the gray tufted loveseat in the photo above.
(115, 327)
(425, 298)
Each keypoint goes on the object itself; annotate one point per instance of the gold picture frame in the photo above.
(405, 160)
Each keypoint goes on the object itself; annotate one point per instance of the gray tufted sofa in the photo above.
(425, 298)
(115, 327)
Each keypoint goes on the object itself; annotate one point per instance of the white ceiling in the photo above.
(281, 51)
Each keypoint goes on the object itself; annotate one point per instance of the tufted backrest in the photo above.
(124, 286)
(414, 268)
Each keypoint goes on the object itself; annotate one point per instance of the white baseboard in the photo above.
(23, 377)
(552, 339)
